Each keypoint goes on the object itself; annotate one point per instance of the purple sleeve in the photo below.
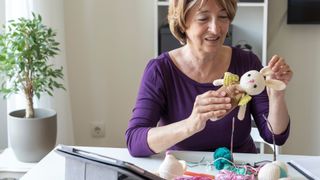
(260, 108)
(146, 113)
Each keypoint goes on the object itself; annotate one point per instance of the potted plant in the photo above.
(26, 49)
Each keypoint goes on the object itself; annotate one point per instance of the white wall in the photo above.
(299, 44)
(108, 45)
(53, 16)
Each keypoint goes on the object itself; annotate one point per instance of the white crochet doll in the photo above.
(251, 83)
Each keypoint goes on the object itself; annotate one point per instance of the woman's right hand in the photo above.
(209, 105)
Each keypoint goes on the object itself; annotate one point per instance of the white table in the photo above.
(53, 165)
(10, 167)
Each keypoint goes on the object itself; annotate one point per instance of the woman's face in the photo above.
(207, 27)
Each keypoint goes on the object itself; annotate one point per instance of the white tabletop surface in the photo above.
(53, 165)
(11, 167)
(8, 162)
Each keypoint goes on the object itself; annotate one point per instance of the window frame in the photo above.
(3, 102)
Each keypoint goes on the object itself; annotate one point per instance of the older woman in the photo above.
(177, 99)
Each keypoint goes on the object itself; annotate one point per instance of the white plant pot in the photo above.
(32, 138)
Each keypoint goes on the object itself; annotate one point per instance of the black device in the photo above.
(168, 42)
(125, 170)
(303, 12)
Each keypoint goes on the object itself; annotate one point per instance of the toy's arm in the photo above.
(218, 82)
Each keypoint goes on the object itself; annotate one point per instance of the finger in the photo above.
(284, 70)
(284, 80)
(284, 77)
(215, 115)
(211, 97)
(273, 61)
(213, 94)
(277, 66)
(213, 100)
(234, 89)
(212, 107)
(220, 93)
(284, 65)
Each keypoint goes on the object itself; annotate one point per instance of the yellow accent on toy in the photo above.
(244, 100)
(230, 79)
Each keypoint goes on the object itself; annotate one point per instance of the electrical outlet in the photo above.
(98, 129)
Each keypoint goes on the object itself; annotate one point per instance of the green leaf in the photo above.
(26, 46)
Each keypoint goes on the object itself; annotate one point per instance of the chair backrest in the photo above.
(257, 139)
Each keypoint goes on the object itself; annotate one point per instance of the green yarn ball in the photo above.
(241, 171)
(221, 163)
(283, 173)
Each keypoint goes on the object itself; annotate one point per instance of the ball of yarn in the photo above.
(193, 178)
(230, 175)
(283, 168)
(223, 153)
(269, 172)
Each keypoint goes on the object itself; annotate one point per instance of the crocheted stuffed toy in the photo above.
(251, 83)
(171, 167)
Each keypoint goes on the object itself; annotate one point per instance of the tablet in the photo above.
(124, 170)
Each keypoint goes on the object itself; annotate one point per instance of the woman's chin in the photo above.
(212, 48)
(213, 43)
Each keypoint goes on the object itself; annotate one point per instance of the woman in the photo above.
(177, 99)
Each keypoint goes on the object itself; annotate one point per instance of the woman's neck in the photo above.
(198, 59)
(206, 67)
(200, 67)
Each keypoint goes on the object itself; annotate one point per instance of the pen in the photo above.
(300, 171)
(189, 173)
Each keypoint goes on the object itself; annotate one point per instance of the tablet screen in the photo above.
(122, 170)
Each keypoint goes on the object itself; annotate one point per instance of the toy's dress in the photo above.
(230, 79)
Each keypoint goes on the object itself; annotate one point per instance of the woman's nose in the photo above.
(214, 26)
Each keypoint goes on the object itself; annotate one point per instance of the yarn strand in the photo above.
(273, 138)
(232, 132)
(194, 164)
(246, 167)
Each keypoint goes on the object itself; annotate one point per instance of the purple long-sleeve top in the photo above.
(167, 95)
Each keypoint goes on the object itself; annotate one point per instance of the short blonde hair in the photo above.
(178, 10)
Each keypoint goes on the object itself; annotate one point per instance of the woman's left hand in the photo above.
(281, 69)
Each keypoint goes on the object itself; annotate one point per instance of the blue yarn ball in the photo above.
(221, 163)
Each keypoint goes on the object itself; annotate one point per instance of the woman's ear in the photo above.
(266, 71)
(275, 84)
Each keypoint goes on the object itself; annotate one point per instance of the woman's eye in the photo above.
(249, 75)
(224, 17)
(255, 86)
(202, 19)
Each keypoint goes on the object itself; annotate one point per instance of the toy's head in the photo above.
(253, 82)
